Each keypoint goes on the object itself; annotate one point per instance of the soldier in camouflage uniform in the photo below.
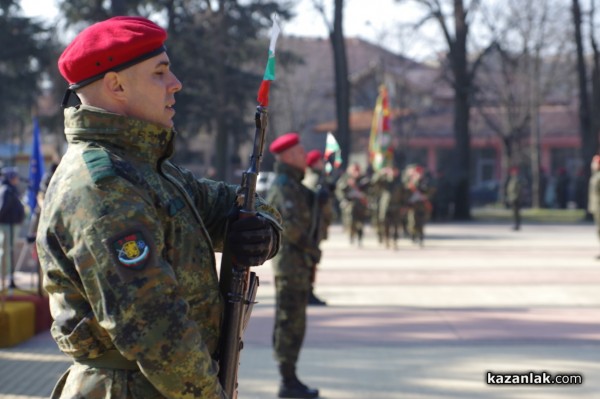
(419, 207)
(126, 238)
(514, 194)
(314, 179)
(594, 193)
(350, 190)
(392, 202)
(293, 265)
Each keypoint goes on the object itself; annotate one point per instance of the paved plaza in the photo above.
(418, 323)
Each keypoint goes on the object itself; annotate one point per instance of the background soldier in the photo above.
(350, 191)
(392, 200)
(294, 264)
(594, 193)
(374, 191)
(314, 179)
(12, 214)
(126, 238)
(514, 196)
(419, 207)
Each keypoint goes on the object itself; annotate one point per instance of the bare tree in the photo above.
(589, 122)
(454, 21)
(342, 84)
(518, 76)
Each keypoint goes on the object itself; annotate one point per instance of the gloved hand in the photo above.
(252, 240)
(30, 239)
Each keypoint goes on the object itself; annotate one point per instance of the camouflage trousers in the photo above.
(417, 215)
(291, 296)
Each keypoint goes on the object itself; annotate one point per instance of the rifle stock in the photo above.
(237, 284)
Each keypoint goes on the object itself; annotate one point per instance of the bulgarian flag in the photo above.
(380, 141)
(332, 148)
(269, 76)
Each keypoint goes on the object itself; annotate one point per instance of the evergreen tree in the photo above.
(25, 51)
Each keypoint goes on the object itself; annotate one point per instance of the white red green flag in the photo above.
(380, 141)
(333, 153)
(269, 76)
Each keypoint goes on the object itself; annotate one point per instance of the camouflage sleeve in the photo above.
(135, 298)
(296, 216)
(341, 188)
(595, 193)
(216, 199)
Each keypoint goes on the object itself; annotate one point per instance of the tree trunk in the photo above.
(222, 155)
(587, 146)
(589, 136)
(342, 85)
(536, 195)
(462, 88)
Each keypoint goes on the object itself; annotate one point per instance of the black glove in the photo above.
(251, 240)
(30, 239)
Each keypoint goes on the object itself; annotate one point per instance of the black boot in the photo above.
(315, 300)
(291, 386)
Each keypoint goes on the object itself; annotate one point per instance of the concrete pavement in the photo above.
(418, 323)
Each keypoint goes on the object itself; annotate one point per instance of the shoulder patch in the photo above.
(99, 164)
(131, 250)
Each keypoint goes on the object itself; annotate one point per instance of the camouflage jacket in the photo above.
(299, 248)
(126, 241)
(322, 209)
(594, 193)
(514, 188)
(392, 195)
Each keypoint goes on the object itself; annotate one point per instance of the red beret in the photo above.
(313, 156)
(111, 45)
(284, 142)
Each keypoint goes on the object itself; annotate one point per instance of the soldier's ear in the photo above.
(112, 81)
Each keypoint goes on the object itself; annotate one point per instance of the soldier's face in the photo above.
(318, 165)
(296, 157)
(149, 91)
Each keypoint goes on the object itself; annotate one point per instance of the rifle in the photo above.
(237, 284)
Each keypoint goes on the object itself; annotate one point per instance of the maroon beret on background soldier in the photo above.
(284, 142)
(312, 157)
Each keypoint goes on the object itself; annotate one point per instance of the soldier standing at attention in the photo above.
(594, 193)
(514, 190)
(350, 191)
(126, 238)
(12, 214)
(418, 203)
(293, 265)
(314, 179)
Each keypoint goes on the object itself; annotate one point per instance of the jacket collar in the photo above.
(289, 170)
(131, 137)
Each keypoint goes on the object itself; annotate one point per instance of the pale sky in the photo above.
(378, 22)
